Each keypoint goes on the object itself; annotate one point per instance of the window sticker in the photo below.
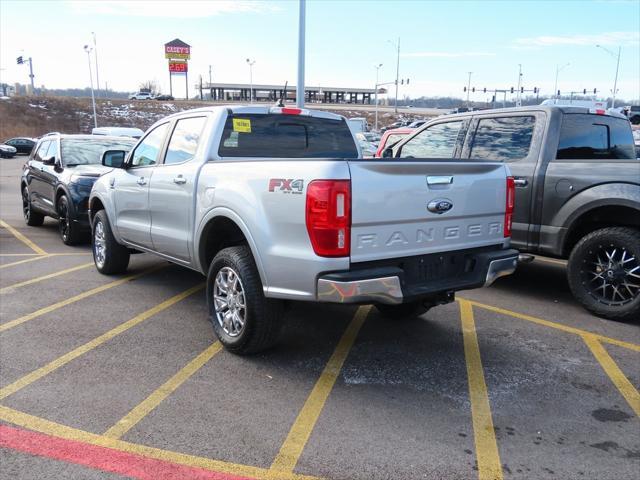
(242, 125)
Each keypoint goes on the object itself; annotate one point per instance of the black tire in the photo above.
(69, 230)
(31, 217)
(592, 276)
(262, 317)
(402, 311)
(109, 256)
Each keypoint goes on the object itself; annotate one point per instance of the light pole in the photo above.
(518, 93)
(615, 82)
(95, 51)
(93, 98)
(301, 50)
(251, 63)
(555, 87)
(397, 45)
(468, 88)
(377, 67)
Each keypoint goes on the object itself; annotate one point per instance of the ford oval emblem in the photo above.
(440, 205)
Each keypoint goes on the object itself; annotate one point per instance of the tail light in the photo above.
(328, 217)
(509, 204)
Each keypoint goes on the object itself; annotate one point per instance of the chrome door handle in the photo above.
(440, 180)
(180, 180)
(521, 182)
(141, 181)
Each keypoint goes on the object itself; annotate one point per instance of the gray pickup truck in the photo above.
(275, 204)
(577, 184)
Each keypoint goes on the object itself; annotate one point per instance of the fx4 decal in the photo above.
(286, 185)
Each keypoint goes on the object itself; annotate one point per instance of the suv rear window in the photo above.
(286, 136)
(595, 137)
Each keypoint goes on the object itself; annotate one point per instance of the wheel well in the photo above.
(95, 207)
(59, 193)
(601, 217)
(219, 233)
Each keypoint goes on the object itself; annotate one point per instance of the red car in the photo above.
(391, 137)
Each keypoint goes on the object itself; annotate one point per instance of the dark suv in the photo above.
(57, 179)
(577, 183)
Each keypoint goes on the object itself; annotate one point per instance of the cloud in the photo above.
(606, 38)
(181, 9)
(448, 54)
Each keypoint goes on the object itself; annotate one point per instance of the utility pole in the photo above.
(250, 63)
(397, 75)
(95, 51)
(93, 98)
(555, 87)
(209, 76)
(376, 95)
(468, 89)
(518, 93)
(301, 38)
(615, 82)
(33, 88)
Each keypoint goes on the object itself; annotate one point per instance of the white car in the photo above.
(7, 151)
(140, 96)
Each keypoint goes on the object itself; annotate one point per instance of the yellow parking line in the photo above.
(152, 401)
(22, 238)
(489, 466)
(75, 298)
(48, 427)
(611, 368)
(44, 277)
(293, 446)
(96, 342)
(558, 326)
(26, 260)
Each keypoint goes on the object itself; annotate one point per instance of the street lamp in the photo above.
(558, 70)
(468, 88)
(250, 63)
(377, 67)
(95, 51)
(93, 98)
(615, 82)
(397, 45)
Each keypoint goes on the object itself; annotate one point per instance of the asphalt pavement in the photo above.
(112, 377)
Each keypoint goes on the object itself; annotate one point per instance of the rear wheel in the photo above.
(109, 256)
(69, 230)
(604, 273)
(243, 319)
(402, 311)
(33, 219)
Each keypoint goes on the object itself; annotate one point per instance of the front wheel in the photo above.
(604, 273)
(109, 256)
(243, 319)
(69, 230)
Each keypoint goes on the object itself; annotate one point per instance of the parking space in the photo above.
(103, 377)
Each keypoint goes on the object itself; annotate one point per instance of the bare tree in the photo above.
(150, 86)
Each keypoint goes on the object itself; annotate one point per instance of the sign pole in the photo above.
(186, 84)
(170, 85)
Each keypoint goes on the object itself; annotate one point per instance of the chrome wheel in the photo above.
(229, 302)
(612, 275)
(99, 244)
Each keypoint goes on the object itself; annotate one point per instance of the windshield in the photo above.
(88, 151)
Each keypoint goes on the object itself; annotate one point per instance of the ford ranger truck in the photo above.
(274, 204)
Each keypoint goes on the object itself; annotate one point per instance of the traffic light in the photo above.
(19, 60)
(511, 89)
(484, 90)
(407, 81)
(464, 89)
(584, 91)
(558, 92)
(521, 89)
(493, 99)
(535, 89)
(473, 89)
(594, 91)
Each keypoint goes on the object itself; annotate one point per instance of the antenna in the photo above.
(283, 97)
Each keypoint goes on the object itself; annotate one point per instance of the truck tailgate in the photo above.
(390, 207)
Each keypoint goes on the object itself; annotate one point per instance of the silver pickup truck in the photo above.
(274, 204)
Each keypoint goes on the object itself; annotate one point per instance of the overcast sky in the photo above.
(440, 43)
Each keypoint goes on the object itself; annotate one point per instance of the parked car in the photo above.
(417, 123)
(634, 114)
(163, 97)
(57, 179)
(7, 151)
(577, 182)
(358, 124)
(118, 131)
(368, 149)
(394, 125)
(391, 137)
(222, 190)
(140, 96)
(23, 145)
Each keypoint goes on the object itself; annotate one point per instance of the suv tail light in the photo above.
(509, 204)
(328, 217)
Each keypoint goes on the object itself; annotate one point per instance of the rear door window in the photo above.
(286, 136)
(437, 141)
(184, 140)
(503, 139)
(595, 137)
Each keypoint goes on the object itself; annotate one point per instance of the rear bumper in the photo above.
(415, 278)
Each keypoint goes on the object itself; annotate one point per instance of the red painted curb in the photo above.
(103, 458)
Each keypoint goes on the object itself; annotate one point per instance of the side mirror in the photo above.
(387, 153)
(113, 158)
(49, 160)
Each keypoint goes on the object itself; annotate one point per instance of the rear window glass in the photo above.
(595, 137)
(286, 136)
(503, 139)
